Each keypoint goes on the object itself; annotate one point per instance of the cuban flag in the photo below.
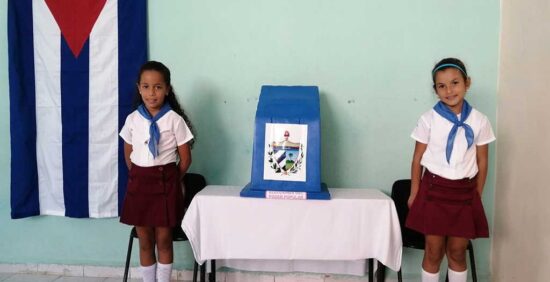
(72, 72)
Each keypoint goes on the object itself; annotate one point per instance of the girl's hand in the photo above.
(411, 200)
(128, 148)
(184, 153)
(416, 170)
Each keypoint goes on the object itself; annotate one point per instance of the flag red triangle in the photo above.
(75, 19)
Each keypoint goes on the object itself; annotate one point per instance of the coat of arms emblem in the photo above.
(285, 151)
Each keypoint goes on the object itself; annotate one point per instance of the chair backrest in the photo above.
(400, 193)
(194, 183)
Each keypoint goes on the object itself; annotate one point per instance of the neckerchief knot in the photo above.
(447, 114)
(154, 132)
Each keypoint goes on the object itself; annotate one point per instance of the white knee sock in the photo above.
(455, 276)
(430, 277)
(164, 272)
(149, 273)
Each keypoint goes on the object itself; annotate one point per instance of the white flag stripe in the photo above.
(103, 115)
(47, 66)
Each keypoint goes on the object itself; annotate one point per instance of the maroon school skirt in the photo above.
(448, 208)
(153, 197)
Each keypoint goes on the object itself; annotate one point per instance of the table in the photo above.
(356, 224)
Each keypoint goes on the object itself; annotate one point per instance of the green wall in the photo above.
(370, 59)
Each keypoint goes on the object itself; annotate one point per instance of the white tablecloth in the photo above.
(355, 225)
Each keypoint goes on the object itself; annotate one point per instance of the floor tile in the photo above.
(4, 276)
(61, 270)
(114, 279)
(31, 278)
(81, 279)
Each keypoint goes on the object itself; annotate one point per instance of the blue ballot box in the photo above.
(286, 158)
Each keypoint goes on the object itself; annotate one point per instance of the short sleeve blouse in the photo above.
(432, 129)
(174, 132)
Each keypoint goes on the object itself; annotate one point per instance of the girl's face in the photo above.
(153, 90)
(451, 88)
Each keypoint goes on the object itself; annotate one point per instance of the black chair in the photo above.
(400, 193)
(194, 183)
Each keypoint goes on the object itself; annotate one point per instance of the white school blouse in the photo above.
(433, 129)
(173, 133)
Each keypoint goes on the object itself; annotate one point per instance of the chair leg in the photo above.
(370, 263)
(128, 255)
(195, 269)
(399, 276)
(380, 272)
(203, 271)
(472, 262)
(212, 275)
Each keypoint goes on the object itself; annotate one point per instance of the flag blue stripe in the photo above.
(132, 48)
(132, 30)
(24, 171)
(75, 124)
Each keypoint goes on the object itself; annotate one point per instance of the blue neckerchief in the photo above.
(154, 132)
(446, 113)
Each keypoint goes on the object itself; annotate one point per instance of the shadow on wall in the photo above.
(329, 139)
(209, 157)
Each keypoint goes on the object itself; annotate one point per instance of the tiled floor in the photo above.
(9, 277)
(232, 277)
(227, 277)
(12, 277)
